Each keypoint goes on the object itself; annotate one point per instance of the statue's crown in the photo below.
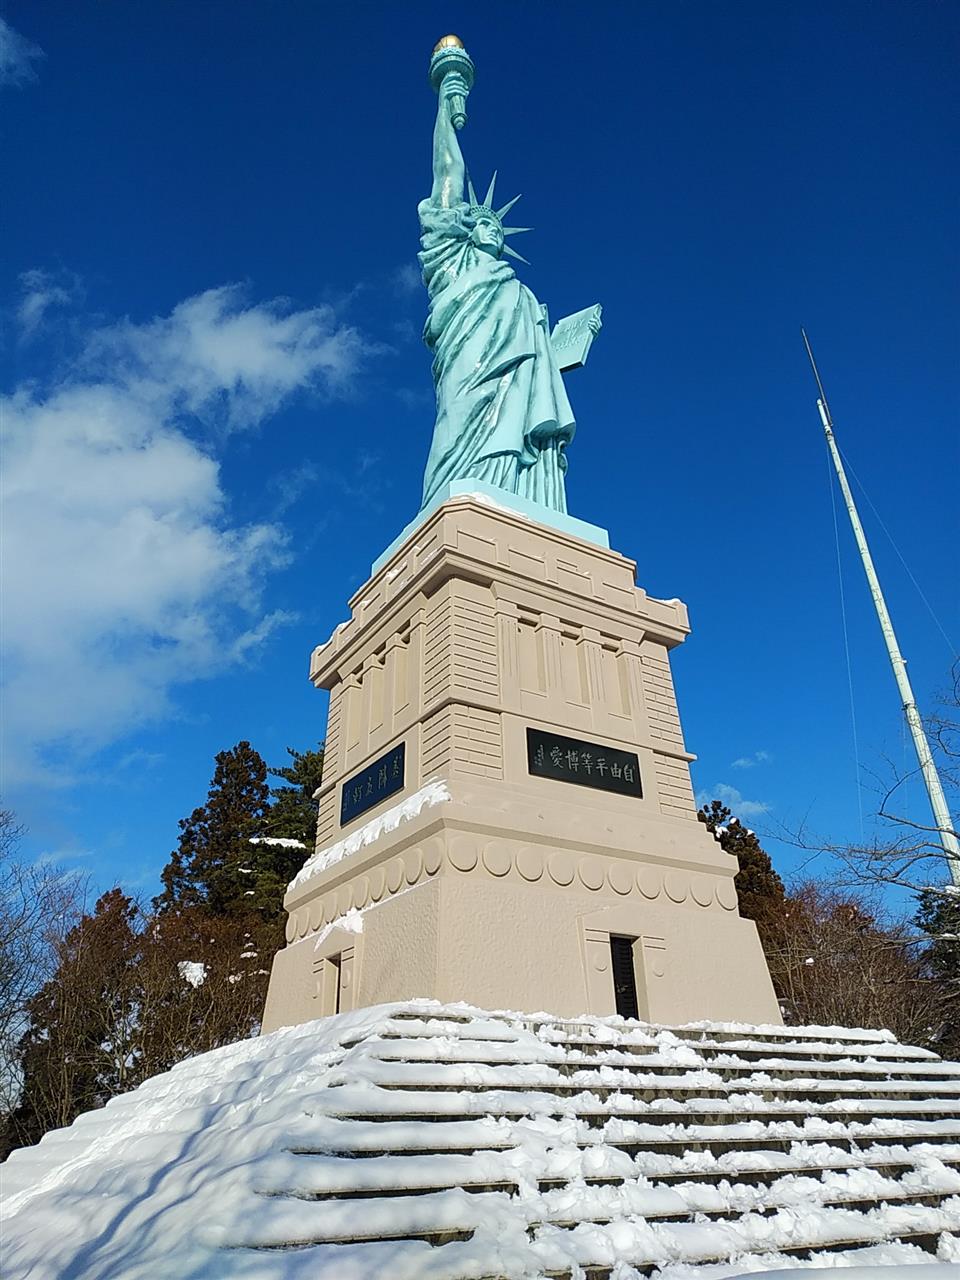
(484, 209)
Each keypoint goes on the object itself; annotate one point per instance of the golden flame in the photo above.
(448, 42)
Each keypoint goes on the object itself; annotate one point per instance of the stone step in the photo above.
(328, 1176)
(562, 1083)
(933, 1111)
(817, 1257)
(762, 1145)
(888, 1160)
(454, 1214)
(434, 1104)
(481, 1054)
(852, 1204)
(832, 1040)
(766, 1144)
(368, 1260)
(654, 1055)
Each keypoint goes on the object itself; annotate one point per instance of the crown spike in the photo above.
(515, 231)
(488, 198)
(513, 254)
(470, 191)
(507, 207)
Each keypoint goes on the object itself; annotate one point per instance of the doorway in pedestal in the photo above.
(624, 975)
(335, 963)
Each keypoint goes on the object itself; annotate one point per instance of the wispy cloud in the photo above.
(224, 362)
(125, 575)
(415, 399)
(739, 806)
(43, 292)
(406, 279)
(291, 485)
(17, 56)
(751, 762)
(140, 760)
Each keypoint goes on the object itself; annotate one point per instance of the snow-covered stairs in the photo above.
(423, 1142)
(554, 1144)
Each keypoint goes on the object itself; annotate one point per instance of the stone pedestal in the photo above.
(476, 878)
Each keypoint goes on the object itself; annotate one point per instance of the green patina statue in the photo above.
(503, 416)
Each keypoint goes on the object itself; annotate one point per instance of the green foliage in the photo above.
(214, 865)
(294, 810)
(291, 816)
(225, 862)
(760, 890)
(938, 916)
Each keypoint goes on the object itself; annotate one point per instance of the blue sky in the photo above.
(218, 407)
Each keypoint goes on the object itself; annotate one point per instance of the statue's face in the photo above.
(488, 236)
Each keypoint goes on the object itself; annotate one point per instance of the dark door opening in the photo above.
(334, 962)
(624, 977)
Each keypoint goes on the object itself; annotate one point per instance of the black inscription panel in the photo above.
(549, 755)
(381, 779)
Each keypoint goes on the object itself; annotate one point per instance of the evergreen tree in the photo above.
(760, 890)
(292, 816)
(214, 865)
(294, 811)
(938, 916)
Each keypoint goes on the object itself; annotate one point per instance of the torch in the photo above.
(451, 61)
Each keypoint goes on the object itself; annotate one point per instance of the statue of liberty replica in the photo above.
(503, 416)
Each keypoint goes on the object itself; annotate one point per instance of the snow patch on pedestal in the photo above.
(433, 793)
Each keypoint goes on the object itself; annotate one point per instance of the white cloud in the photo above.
(42, 292)
(750, 762)
(735, 802)
(216, 359)
(124, 574)
(17, 55)
(407, 279)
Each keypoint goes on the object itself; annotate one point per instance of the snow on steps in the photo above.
(440, 1142)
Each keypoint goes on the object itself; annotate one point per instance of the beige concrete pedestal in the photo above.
(505, 888)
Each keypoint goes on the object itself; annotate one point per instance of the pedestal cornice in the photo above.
(472, 539)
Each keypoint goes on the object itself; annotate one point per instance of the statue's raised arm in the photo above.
(452, 74)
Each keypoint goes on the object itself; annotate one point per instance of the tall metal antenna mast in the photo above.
(938, 803)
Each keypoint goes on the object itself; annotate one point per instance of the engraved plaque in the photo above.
(550, 755)
(365, 789)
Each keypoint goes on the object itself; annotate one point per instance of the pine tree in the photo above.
(294, 811)
(292, 816)
(760, 890)
(214, 865)
(938, 916)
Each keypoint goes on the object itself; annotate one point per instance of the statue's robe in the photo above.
(502, 409)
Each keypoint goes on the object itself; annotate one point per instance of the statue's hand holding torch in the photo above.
(451, 74)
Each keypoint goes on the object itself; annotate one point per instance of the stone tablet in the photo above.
(550, 755)
(365, 789)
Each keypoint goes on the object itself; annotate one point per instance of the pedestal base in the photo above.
(451, 910)
(523, 675)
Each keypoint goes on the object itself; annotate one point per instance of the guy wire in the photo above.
(860, 485)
